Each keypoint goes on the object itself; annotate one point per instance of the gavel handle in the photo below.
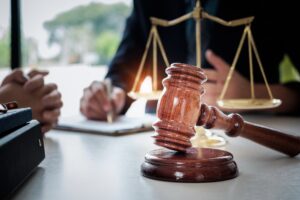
(234, 125)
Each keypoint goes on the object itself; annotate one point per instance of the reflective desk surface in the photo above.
(89, 166)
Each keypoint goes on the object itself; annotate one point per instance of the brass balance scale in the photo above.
(197, 14)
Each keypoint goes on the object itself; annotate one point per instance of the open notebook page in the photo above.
(122, 125)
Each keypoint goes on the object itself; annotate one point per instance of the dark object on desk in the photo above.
(21, 149)
(14, 118)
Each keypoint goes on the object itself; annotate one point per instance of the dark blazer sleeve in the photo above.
(122, 69)
(291, 35)
(124, 66)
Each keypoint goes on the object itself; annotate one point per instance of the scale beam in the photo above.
(166, 23)
(233, 23)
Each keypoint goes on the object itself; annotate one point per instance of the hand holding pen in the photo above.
(101, 103)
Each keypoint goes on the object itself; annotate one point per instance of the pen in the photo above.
(110, 113)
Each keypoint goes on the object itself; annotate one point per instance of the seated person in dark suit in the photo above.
(273, 29)
(44, 99)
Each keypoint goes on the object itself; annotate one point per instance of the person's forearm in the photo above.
(289, 97)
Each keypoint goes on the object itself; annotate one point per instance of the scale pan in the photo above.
(146, 95)
(248, 104)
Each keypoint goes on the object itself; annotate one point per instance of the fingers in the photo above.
(212, 89)
(35, 72)
(34, 83)
(51, 103)
(46, 128)
(98, 91)
(49, 119)
(16, 76)
(52, 100)
(50, 116)
(217, 62)
(91, 109)
(236, 90)
(36, 80)
(218, 75)
(118, 98)
(48, 88)
(212, 75)
(212, 93)
(95, 102)
(91, 104)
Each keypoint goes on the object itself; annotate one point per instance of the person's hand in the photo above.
(35, 80)
(238, 86)
(95, 103)
(49, 97)
(44, 99)
(45, 102)
(51, 103)
(16, 76)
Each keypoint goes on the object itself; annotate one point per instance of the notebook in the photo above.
(122, 125)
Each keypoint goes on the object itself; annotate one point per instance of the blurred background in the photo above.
(73, 39)
(68, 32)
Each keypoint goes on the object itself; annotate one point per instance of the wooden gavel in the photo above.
(234, 125)
(180, 109)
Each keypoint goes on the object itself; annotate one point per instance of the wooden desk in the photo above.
(88, 166)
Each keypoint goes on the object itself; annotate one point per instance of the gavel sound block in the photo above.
(179, 110)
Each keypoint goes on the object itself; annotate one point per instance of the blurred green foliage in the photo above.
(85, 30)
(102, 17)
(288, 72)
(5, 50)
(94, 28)
(106, 45)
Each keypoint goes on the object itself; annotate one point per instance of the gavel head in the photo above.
(179, 106)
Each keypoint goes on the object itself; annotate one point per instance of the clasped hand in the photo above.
(31, 91)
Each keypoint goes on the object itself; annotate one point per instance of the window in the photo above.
(62, 33)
